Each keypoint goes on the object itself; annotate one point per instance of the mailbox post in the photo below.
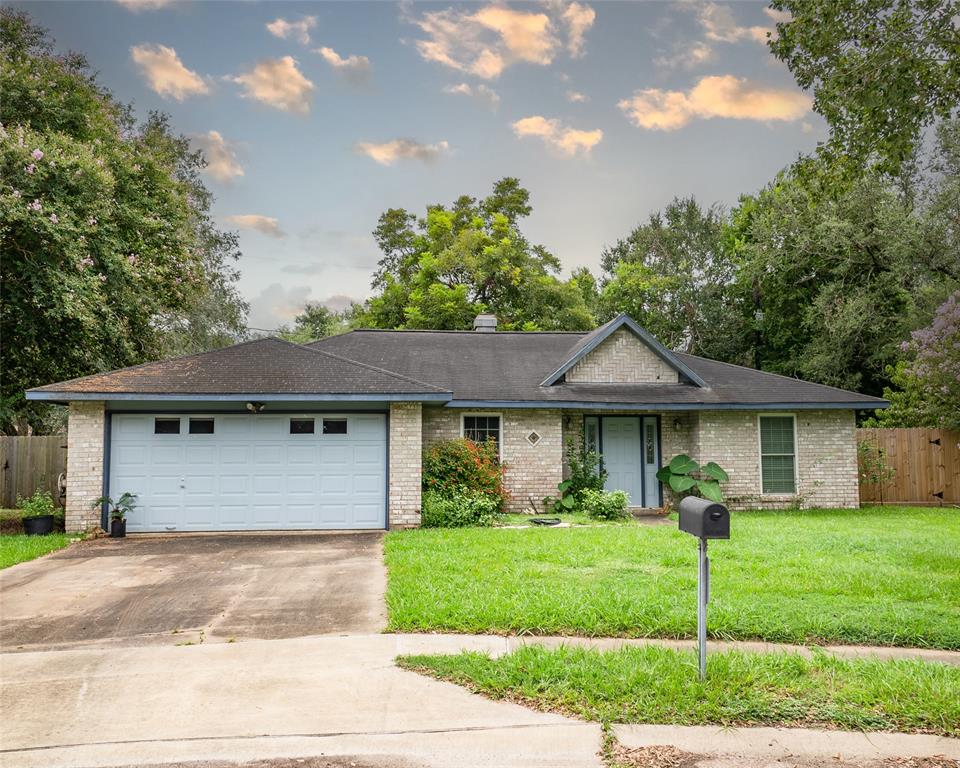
(705, 520)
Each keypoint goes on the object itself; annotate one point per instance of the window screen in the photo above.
(201, 426)
(301, 426)
(482, 428)
(166, 426)
(777, 459)
(334, 426)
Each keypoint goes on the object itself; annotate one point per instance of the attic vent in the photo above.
(533, 438)
(485, 323)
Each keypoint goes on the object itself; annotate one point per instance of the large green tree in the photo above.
(315, 322)
(110, 257)
(441, 270)
(833, 277)
(881, 70)
(673, 275)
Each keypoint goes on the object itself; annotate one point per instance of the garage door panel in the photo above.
(251, 473)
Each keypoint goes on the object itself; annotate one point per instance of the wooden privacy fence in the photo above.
(29, 463)
(909, 466)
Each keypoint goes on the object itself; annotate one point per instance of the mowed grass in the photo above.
(18, 548)
(659, 685)
(882, 575)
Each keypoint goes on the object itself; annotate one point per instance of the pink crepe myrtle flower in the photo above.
(132, 258)
(86, 261)
(92, 221)
(103, 277)
(37, 154)
(16, 193)
(35, 206)
(54, 219)
(30, 168)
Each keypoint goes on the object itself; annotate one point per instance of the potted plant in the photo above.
(118, 512)
(37, 513)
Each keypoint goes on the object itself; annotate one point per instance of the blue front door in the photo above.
(622, 455)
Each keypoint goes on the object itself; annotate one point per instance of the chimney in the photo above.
(485, 323)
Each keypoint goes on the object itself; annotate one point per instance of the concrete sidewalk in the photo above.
(262, 699)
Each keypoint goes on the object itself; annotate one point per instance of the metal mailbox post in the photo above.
(705, 520)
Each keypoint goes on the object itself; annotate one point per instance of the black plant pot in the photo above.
(118, 529)
(38, 526)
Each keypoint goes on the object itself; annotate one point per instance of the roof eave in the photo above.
(66, 397)
(641, 406)
(655, 346)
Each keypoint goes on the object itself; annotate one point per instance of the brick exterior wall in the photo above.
(532, 471)
(85, 434)
(406, 461)
(622, 358)
(826, 453)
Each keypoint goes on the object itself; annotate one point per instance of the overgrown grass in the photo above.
(888, 576)
(18, 548)
(659, 685)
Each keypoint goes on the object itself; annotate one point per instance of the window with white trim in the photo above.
(778, 460)
(481, 428)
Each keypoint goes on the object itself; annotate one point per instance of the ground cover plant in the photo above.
(882, 575)
(18, 548)
(659, 685)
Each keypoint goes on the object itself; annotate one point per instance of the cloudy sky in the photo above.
(316, 117)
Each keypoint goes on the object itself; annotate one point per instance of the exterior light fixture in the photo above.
(255, 407)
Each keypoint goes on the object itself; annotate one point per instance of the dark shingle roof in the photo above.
(509, 366)
(264, 366)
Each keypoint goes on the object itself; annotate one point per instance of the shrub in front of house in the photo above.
(461, 466)
(603, 505)
(459, 509)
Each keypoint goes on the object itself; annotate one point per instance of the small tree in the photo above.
(872, 465)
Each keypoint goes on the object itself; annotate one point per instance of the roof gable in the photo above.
(615, 332)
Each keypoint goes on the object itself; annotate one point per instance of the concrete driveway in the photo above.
(177, 590)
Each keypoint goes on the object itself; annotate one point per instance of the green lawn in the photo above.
(879, 575)
(660, 685)
(18, 548)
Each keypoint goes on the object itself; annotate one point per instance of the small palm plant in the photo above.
(118, 510)
(685, 476)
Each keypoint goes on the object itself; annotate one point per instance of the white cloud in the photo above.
(275, 306)
(575, 97)
(220, 155)
(578, 19)
(716, 96)
(266, 225)
(567, 140)
(165, 73)
(806, 127)
(486, 41)
(354, 69)
(390, 152)
(144, 5)
(719, 24)
(298, 30)
(279, 83)
(481, 92)
(687, 56)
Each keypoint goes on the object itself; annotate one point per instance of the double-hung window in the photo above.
(778, 460)
(482, 427)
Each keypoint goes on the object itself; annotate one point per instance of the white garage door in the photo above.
(250, 472)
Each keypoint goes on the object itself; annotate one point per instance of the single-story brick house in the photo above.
(268, 435)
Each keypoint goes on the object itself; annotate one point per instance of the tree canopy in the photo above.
(881, 71)
(441, 270)
(110, 257)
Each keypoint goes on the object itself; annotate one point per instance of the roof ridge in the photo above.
(161, 360)
(443, 330)
(393, 374)
(778, 375)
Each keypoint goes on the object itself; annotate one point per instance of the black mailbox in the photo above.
(704, 519)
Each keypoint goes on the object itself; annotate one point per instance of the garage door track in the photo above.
(184, 589)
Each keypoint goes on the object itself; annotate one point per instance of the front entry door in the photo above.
(622, 453)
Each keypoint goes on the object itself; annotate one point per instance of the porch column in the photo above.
(406, 462)
(85, 444)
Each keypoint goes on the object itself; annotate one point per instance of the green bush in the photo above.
(603, 505)
(463, 466)
(41, 503)
(460, 509)
(585, 469)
